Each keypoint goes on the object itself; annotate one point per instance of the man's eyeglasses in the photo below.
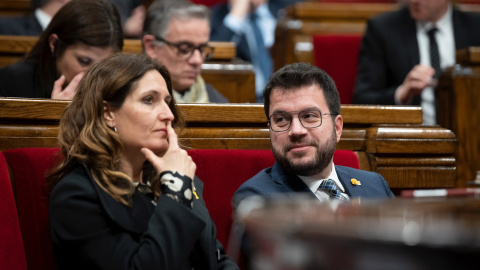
(185, 49)
(283, 120)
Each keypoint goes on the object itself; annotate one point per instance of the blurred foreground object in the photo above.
(427, 233)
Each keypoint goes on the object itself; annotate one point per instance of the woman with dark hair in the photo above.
(123, 197)
(81, 33)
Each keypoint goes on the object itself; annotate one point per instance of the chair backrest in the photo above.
(223, 171)
(28, 169)
(338, 56)
(12, 254)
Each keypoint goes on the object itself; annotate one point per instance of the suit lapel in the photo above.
(289, 183)
(133, 219)
(351, 190)
(460, 31)
(409, 32)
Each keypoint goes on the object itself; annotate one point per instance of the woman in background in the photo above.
(81, 33)
(124, 198)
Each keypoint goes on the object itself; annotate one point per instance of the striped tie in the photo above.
(330, 187)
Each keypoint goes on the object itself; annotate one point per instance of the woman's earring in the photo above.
(115, 129)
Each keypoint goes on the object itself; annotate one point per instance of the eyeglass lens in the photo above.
(308, 119)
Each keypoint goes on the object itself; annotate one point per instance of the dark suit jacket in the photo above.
(274, 181)
(21, 79)
(90, 230)
(20, 26)
(389, 50)
(214, 96)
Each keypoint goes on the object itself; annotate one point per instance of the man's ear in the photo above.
(52, 42)
(339, 126)
(148, 42)
(108, 115)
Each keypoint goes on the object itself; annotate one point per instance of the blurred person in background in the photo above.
(176, 33)
(34, 24)
(81, 33)
(403, 52)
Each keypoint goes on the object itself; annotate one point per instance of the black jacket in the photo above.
(90, 230)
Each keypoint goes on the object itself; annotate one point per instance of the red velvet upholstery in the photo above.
(222, 172)
(229, 169)
(12, 254)
(209, 3)
(338, 56)
(29, 166)
(223, 176)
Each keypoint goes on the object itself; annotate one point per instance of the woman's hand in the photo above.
(175, 159)
(69, 92)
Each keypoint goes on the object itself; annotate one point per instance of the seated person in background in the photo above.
(396, 65)
(123, 198)
(132, 13)
(176, 33)
(34, 24)
(81, 33)
(302, 106)
(251, 26)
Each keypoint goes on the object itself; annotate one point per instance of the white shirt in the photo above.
(266, 23)
(446, 48)
(314, 183)
(43, 18)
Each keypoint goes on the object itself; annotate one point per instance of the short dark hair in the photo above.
(297, 75)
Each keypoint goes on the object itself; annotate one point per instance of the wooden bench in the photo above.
(305, 19)
(387, 139)
(234, 78)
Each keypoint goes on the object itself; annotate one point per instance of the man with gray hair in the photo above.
(176, 33)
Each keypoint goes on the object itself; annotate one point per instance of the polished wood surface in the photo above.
(14, 47)
(15, 7)
(457, 109)
(387, 139)
(233, 78)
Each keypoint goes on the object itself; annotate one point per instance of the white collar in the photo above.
(314, 183)
(43, 18)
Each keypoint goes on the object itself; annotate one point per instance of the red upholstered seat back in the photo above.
(223, 171)
(29, 166)
(338, 56)
(12, 254)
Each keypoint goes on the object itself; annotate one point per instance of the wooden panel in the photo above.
(457, 109)
(235, 80)
(15, 7)
(387, 139)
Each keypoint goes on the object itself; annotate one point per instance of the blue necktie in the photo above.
(330, 187)
(262, 57)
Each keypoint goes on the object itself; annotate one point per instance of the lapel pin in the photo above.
(355, 182)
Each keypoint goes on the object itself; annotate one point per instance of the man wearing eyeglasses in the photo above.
(302, 106)
(176, 33)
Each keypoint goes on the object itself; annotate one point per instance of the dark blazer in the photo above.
(389, 50)
(274, 181)
(20, 26)
(214, 96)
(90, 230)
(21, 79)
